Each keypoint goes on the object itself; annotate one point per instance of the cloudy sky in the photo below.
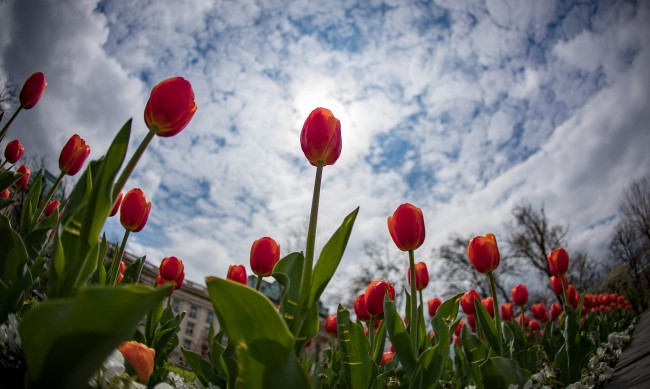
(462, 108)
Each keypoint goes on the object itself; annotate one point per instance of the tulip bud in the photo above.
(556, 310)
(14, 151)
(73, 155)
(237, 273)
(120, 276)
(116, 205)
(171, 270)
(471, 320)
(534, 325)
(170, 107)
(459, 328)
(375, 297)
(330, 324)
(265, 253)
(32, 90)
(526, 320)
(406, 227)
(467, 302)
(320, 137)
(360, 308)
(434, 304)
(519, 295)
(573, 296)
(5, 194)
(134, 210)
(122, 266)
(507, 311)
(140, 357)
(386, 358)
(558, 262)
(539, 311)
(483, 253)
(421, 276)
(51, 207)
(556, 283)
(24, 180)
(488, 304)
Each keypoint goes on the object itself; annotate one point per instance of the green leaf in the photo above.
(262, 339)
(487, 326)
(133, 271)
(448, 310)
(380, 342)
(330, 258)
(13, 269)
(399, 337)
(476, 352)
(500, 372)
(431, 365)
(358, 370)
(203, 370)
(36, 239)
(8, 178)
(288, 272)
(30, 204)
(90, 204)
(66, 340)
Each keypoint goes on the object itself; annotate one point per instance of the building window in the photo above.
(192, 311)
(189, 329)
(187, 343)
(176, 303)
(210, 317)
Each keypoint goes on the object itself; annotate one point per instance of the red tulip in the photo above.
(459, 328)
(386, 358)
(573, 296)
(360, 308)
(237, 273)
(375, 297)
(467, 301)
(14, 151)
(539, 311)
(73, 155)
(556, 283)
(5, 194)
(519, 295)
(170, 107)
(140, 357)
(32, 90)
(51, 207)
(421, 276)
(526, 320)
(119, 278)
(172, 270)
(330, 324)
(134, 210)
(434, 304)
(556, 310)
(320, 137)
(265, 253)
(471, 320)
(507, 311)
(116, 205)
(122, 267)
(488, 304)
(24, 180)
(534, 325)
(558, 262)
(406, 227)
(483, 253)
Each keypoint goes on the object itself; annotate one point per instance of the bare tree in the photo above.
(8, 96)
(630, 242)
(532, 237)
(461, 276)
(584, 272)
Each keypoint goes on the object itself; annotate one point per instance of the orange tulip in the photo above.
(488, 304)
(483, 253)
(320, 137)
(507, 311)
(386, 358)
(140, 357)
(170, 107)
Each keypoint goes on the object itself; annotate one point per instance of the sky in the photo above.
(462, 108)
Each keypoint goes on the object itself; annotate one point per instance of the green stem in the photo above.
(497, 314)
(371, 334)
(414, 305)
(259, 283)
(523, 328)
(115, 266)
(49, 195)
(305, 283)
(564, 292)
(119, 184)
(3, 132)
(421, 314)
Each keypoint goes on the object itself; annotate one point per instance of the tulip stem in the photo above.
(523, 329)
(564, 292)
(371, 334)
(413, 321)
(497, 315)
(3, 132)
(115, 266)
(305, 284)
(119, 184)
(49, 195)
(259, 283)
